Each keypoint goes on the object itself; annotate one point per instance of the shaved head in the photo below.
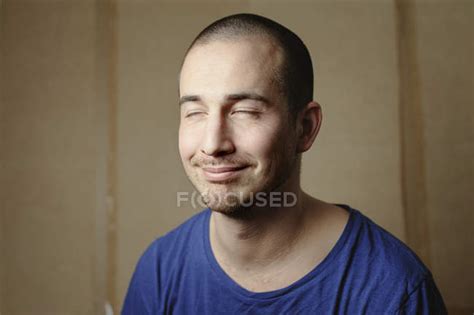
(295, 74)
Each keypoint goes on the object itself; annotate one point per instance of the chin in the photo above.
(236, 212)
(226, 209)
(223, 201)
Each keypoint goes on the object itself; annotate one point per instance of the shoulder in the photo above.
(156, 265)
(390, 252)
(395, 275)
(175, 241)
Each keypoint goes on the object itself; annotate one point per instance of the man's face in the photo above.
(234, 137)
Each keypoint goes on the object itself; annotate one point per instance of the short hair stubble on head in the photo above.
(295, 75)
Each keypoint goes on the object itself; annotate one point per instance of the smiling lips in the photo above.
(222, 173)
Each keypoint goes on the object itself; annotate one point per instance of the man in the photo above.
(247, 115)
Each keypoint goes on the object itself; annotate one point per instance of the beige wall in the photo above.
(49, 157)
(73, 93)
(445, 51)
(2, 167)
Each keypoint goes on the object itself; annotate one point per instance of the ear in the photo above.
(308, 124)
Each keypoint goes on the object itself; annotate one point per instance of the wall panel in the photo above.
(49, 157)
(445, 45)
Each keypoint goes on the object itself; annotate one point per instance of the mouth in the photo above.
(222, 173)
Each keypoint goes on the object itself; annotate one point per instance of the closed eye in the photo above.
(192, 114)
(248, 112)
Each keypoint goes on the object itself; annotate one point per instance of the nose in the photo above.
(217, 140)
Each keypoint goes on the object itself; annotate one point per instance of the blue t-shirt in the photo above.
(368, 271)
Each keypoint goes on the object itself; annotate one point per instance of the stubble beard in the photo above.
(237, 198)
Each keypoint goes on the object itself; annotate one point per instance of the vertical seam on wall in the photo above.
(105, 119)
(112, 177)
(413, 179)
(2, 166)
(112, 189)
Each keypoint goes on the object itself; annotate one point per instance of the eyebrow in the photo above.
(247, 96)
(189, 98)
(228, 97)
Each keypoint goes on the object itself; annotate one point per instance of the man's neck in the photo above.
(262, 240)
(268, 252)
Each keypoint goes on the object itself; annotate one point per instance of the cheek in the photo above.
(187, 144)
(259, 146)
(262, 143)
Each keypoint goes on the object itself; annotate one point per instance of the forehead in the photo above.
(230, 66)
